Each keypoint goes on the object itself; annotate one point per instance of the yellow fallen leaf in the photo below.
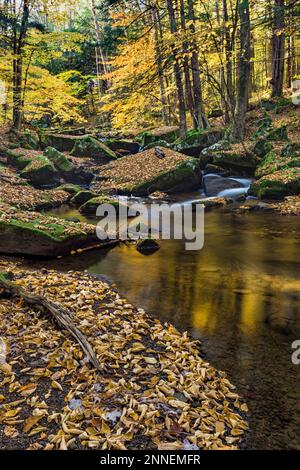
(30, 422)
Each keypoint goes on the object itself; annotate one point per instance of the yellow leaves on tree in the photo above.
(45, 94)
(134, 94)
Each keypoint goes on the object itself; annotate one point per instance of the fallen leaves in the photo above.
(154, 386)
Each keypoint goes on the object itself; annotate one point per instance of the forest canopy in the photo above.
(138, 64)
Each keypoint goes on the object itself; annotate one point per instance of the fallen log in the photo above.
(60, 314)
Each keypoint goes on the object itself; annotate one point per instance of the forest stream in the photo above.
(239, 295)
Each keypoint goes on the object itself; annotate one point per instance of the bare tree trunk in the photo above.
(160, 70)
(278, 43)
(186, 65)
(238, 131)
(177, 73)
(19, 41)
(200, 119)
(228, 55)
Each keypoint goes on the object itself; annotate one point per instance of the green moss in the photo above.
(40, 171)
(69, 188)
(273, 162)
(184, 177)
(277, 185)
(82, 197)
(262, 147)
(277, 135)
(90, 207)
(18, 159)
(231, 159)
(59, 160)
(87, 146)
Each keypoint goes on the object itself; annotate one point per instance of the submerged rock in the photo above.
(147, 246)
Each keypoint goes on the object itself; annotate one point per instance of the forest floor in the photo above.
(154, 389)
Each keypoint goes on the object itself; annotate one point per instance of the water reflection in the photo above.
(240, 295)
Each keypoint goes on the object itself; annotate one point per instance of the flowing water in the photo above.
(240, 295)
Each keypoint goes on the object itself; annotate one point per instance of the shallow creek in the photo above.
(240, 295)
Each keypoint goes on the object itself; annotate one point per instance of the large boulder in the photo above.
(35, 234)
(277, 185)
(41, 172)
(88, 146)
(236, 160)
(213, 185)
(273, 162)
(197, 140)
(61, 142)
(59, 160)
(18, 158)
(68, 171)
(167, 133)
(150, 171)
(123, 146)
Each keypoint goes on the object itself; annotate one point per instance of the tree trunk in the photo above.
(160, 71)
(228, 55)
(200, 119)
(278, 42)
(238, 131)
(186, 65)
(19, 41)
(177, 74)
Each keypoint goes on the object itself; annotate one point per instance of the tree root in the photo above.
(59, 313)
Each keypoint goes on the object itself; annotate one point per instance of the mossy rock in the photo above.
(167, 133)
(197, 140)
(264, 126)
(61, 142)
(18, 159)
(282, 183)
(42, 236)
(273, 162)
(90, 207)
(290, 150)
(87, 146)
(70, 188)
(183, 178)
(236, 160)
(277, 135)
(59, 160)
(73, 131)
(32, 139)
(123, 145)
(262, 147)
(82, 197)
(41, 172)
(147, 246)
(158, 143)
